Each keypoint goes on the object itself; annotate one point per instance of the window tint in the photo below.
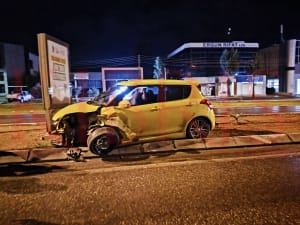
(176, 92)
(151, 94)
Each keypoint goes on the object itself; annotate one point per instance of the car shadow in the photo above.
(26, 170)
(125, 157)
(133, 157)
(33, 222)
(29, 185)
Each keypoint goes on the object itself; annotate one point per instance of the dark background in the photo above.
(118, 28)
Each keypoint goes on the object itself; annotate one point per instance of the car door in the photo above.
(142, 115)
(176, 110)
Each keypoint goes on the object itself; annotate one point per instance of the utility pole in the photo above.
(139, 60)
(281, 33)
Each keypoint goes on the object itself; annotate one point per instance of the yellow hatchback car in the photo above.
(136, 111)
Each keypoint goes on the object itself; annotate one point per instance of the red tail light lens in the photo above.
(206, 102)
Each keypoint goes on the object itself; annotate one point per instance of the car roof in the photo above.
(158, 82)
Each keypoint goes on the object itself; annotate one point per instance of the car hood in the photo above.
(82, 107)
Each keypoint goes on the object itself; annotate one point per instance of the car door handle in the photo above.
(189, 104)
(154, 109)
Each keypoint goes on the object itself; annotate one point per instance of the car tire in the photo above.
(102, 140)
(198, 128)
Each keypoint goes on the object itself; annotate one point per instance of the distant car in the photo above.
(24, 96)
(136, 111)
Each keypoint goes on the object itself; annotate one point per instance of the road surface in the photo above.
(39, 118)
(257, 188)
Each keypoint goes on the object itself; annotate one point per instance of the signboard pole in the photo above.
(54, 74)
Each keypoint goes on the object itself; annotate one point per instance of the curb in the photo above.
(56, 154)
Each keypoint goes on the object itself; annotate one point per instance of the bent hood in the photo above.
(81, 107)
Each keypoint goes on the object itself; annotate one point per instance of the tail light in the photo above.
(206, 102)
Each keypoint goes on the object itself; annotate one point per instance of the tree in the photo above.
(230, 61)
(255, 65)
(158, 71)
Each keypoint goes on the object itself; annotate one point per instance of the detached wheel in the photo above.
(102, 140)
(198, 128)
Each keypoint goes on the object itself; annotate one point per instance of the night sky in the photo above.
(110, 29)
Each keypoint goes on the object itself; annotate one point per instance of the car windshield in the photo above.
(112, 96)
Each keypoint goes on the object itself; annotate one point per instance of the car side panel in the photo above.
(173, 115)
(142, 119)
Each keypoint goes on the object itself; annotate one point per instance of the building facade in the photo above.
(204, 59)
(12, 67)
(224, 68)
(17, 69)
(90, 84)
(281, 64)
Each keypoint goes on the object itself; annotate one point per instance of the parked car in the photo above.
(23, 96)
(136, 111)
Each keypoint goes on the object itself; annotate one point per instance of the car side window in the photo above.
(177, 92)
(141, 95)
(151, 93)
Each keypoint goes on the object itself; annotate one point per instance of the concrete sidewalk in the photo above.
(53, 154)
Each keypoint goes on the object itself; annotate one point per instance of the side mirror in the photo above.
(124, 104)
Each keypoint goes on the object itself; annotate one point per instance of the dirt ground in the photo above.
(256, 125)
(26, 137)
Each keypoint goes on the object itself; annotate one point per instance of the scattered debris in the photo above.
(75, 154)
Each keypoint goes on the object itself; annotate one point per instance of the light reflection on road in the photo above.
(40, 118)
(258, 110)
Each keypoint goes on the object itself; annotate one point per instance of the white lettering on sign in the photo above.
(225, 45)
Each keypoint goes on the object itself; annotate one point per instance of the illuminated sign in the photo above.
(225, 45)
(81, 76)
(233, 44)
(58, 72)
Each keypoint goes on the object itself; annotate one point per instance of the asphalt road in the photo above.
(258, 188)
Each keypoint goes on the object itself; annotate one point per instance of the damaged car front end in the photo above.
(72, 122)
